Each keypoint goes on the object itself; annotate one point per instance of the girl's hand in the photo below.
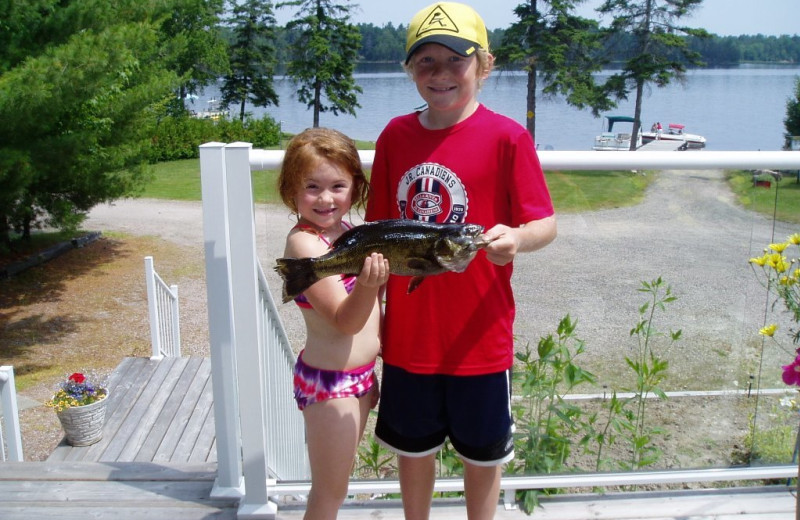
(375, 272)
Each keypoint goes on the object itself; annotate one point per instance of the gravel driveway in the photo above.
(688, 231)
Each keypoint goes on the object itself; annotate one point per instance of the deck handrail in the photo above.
(162, 305)
(10, 432)
(612, 160)
(235, 162)
(286, 445)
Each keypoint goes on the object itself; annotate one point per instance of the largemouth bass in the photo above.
(413, 248)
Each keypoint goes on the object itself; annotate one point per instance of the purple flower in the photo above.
(791, 372)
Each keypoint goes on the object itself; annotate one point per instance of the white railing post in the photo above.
(152, 308)
(220, 320)
(175, 351)
(249, 357)
(8, 397)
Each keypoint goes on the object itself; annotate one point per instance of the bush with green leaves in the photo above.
(546, 422)
(178, 137)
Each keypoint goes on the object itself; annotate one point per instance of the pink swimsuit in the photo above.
(313, 385)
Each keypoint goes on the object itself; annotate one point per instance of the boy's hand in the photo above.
(503, 246)
(375, 271)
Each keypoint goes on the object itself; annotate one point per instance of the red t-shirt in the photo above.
(483, 170)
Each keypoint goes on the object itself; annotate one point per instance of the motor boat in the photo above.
(675, 132)
(610, 140)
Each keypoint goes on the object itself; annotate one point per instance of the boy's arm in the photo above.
(509, 241)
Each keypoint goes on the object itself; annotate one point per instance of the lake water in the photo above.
(738, 108)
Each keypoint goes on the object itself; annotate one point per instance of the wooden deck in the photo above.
(158, 411)
(157, 459)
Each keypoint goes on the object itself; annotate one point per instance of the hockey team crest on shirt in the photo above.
(432, 193)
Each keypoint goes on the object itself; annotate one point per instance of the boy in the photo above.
(448, 346)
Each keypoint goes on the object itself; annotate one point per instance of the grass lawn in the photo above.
(572, 191)
(780, 199)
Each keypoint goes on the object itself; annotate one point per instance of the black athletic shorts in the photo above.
(418, 412)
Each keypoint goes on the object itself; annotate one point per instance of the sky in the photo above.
(722, 17)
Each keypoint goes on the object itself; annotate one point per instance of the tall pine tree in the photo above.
(660, 52)
(323, 56)
(252, 57)
(561, 49)
(81, 86)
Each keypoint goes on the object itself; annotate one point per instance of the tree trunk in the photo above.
(5, 232)
(637, 114)
(530, 115)
(317, 102)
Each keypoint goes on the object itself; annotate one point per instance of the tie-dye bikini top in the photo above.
(348, 281)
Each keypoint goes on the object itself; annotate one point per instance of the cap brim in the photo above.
(458, 45)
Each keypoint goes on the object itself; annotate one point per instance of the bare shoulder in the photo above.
(303, 244)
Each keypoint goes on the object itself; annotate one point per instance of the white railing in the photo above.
(10, 436)
(162, 305)
(234, 273)
(286, 447)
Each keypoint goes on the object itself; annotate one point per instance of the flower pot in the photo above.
(83, 425)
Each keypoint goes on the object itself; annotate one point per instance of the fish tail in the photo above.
(298, 275)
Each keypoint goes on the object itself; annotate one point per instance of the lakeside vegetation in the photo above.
(387, 44)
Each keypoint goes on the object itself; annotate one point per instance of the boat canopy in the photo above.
(677, 126)
(618, 119)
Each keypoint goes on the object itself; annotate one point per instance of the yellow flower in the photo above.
(769, 330)
(761, 260)
(794, 239)
(779, 247)
(776, 261)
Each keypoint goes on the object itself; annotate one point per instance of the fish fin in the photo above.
(297, 274)
(419, 264)
(414, 283)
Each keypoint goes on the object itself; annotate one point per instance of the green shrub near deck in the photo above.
(179, 137)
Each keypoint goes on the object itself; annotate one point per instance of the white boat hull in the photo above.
(691, 140)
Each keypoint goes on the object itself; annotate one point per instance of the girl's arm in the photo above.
(348, 313)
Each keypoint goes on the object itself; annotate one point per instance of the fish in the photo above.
(414, 248)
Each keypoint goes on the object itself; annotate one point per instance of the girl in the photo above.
(334, 385)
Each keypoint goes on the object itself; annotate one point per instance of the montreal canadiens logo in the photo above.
(432, 193)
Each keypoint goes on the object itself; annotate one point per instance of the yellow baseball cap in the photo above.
(456, 26)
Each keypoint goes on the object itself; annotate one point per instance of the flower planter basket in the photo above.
(83, 425)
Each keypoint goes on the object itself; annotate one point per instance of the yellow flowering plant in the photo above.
(77, 390)
(782, 275)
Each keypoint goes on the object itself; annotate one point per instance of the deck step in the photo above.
(119, 490)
